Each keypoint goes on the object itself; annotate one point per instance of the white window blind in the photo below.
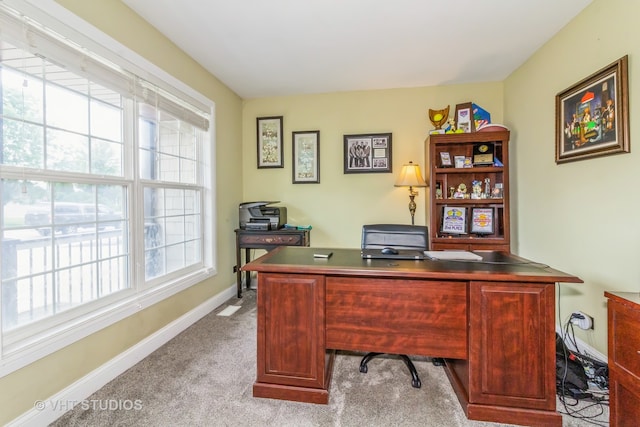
(105, 185)
(31, 36)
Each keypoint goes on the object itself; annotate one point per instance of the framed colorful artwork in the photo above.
(592, 116)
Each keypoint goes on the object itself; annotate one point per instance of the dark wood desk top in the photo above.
(495, 266)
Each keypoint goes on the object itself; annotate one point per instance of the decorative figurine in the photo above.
(452, 192)
(439, 117)
(461, 192)
(452, 126)
(476, 189)
(487, 188)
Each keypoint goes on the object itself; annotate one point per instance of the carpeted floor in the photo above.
(204, 377)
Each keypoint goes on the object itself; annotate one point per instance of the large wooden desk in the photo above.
(492, 321)
(267, 240)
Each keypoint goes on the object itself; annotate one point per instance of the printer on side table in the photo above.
(262, 227)
(261, 216)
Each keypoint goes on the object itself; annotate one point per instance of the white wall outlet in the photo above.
(582, 320)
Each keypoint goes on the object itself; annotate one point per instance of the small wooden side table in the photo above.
(267, 240)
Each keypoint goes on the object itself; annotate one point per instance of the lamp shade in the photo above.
(410, 176)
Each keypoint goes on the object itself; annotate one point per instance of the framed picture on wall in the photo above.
(269, 135)
(306, 157)
(592, 116)
(367, 153)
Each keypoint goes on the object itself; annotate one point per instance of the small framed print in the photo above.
(306, 157)
(439, 190)
(482, 220)
(459, 161)
(454, 220)
(367, 153)
(497, 191)
(464, 117)
(467, 163)
(445, 159)
(270, 148)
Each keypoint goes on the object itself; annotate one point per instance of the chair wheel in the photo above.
(363, 369)
(437, 361)
(416, 383)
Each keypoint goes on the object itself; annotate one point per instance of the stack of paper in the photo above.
(453, 255)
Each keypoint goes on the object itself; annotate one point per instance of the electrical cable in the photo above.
(597, 401)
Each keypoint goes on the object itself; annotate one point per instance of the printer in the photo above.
(261, 216)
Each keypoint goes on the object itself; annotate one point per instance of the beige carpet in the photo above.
(204, 377)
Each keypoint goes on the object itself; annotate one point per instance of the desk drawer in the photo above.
(400, 316)
(272, 239)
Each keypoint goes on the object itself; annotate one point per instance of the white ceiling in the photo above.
(263, 48)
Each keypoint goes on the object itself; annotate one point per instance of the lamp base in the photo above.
(412, 204)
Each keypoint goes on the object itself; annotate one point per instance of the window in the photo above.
(100, 171)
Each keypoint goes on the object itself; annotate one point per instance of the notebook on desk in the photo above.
(401, 254)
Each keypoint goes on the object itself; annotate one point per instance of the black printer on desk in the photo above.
(260, 216)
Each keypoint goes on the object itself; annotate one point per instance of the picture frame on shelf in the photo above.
(467, 163)
(498, 191)
(464, 117)
(482, 220)
(445, 159)
(592, 117)
(269, 142)
(459, 161)
(439, 190)
(454, 220)
(306, 157)
(367, 153)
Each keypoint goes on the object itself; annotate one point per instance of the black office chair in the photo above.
(397, 236)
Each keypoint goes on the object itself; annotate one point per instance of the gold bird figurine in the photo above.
(439, 117)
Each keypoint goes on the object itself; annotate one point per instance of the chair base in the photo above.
(437, 361)
(415, 380)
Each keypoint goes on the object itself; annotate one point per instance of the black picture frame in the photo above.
(482, 220)
(592, 116)
(454, 220)
(445, 159)
(306, 157)
(368, 153)
(269, 142)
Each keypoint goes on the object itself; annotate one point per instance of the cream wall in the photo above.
(341, 203)
(579, 217)
(19, 390)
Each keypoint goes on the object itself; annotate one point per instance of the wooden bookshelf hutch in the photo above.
(486, 225)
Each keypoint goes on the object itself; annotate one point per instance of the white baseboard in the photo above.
(584, 347)
(46, 411)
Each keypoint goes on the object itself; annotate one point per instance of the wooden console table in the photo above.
(492, 320)
(267, 240)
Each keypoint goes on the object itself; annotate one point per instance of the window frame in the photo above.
(141, 295)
